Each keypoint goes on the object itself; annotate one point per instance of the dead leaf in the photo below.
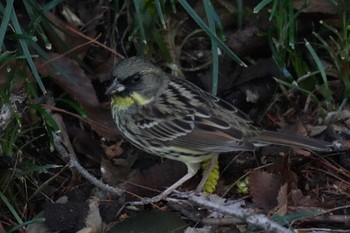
(86, 145)
(152, 181)
(297, 198)
(65, 40)
(76, 83)
(282, 200)
(264, 188)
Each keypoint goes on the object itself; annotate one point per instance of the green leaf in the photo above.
(5, 21)
(75, 106)
(138, 5)
(11, 208)
(26, 52)
(261, 5)
(26, 223)
(214, 46)
(328, 93)
(211, 34)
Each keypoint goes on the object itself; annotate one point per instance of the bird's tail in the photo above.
(285, 139)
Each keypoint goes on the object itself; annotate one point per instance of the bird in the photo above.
(168, 116)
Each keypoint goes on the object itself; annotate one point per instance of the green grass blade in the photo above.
(261, 5)
(273, 10)
(211, 34)
(10, 207)
(219, 28)
(10, 136)
(173, 6)
(32, 221)
(47, 118)
(50, 5)
(75, 106)
(240, 10)
(295, 86)
(5, 21)
(295, 216)
(328, 93)
(139, 20)
(26, 52)
(291, 26)
(215, 55)
(332, 29)
(6, 57)
(332, 54)
(160, 13)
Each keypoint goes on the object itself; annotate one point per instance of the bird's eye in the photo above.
(136, 78)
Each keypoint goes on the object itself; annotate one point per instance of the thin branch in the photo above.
(249, 216)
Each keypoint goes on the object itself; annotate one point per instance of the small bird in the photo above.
(170, 117)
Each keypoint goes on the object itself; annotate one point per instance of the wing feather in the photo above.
(187, 117)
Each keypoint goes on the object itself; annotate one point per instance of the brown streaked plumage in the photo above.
(171, 117)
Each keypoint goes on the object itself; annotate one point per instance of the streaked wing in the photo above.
(190, 122)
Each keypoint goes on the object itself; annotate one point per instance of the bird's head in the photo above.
(136, 82)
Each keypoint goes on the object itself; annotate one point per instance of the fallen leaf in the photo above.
(75, 82)
(282, 200)
(264, 188)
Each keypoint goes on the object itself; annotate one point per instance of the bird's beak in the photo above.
(115, 87)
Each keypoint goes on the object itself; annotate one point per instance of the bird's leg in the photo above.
(192, 169)
(206, 173)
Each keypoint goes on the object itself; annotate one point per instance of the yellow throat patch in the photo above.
(123, 103)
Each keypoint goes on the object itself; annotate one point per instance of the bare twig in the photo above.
(249, 216)
(71, 160)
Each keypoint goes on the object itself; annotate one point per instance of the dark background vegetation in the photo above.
(284, 63)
